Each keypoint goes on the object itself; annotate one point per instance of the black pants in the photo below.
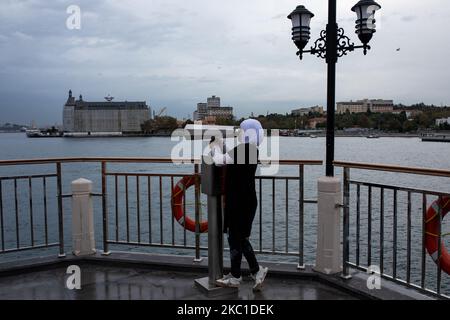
(239, 246)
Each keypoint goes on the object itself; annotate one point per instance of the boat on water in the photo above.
(313, 136)
(36, 133)
(373, 136)
(436, 138)
(32, 133)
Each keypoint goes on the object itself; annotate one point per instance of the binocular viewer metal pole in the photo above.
(211, 185)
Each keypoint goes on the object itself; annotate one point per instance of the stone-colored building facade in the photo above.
(360, 106)
(83, 116)
(212, 110)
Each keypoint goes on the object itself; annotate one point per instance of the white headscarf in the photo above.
(251, 132)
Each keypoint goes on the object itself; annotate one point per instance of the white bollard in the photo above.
(328, 253)
(82, 218)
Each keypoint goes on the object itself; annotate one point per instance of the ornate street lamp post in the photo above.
(331, 45)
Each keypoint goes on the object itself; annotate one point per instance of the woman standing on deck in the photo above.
(241, 201)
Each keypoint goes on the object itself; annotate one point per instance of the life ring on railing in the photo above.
(432, 232)
(177, 205)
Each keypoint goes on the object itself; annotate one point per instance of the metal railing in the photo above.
(396, 216)
(162, 212)
(136, 213)
(129, 201)
(141, 198)
(21, 242)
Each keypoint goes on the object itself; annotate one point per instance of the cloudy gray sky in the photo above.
(175, 53)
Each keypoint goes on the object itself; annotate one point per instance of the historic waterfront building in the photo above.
(374, 105)
(105, 117)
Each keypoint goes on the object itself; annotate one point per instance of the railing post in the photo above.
(197, 214)
(62, 253)
(83, 237)
(2, 228)
(301, 221)
(329, 252)
(106, 251)
(346, 225)
(424, 240)
(394, 237)
(211, 186)
(439, 251)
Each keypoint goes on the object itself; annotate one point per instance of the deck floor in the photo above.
(101, 282)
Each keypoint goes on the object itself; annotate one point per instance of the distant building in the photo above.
(360, 106)
(443, 121)
(312, 123)
(201, 112)
(83, 116)
(305, 111)
(212, 110)
(213, 102)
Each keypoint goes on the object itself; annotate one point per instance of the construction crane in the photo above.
(160, 112)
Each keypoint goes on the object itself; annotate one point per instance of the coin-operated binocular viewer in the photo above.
(212, 185)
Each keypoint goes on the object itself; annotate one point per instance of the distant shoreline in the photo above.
(381, 135)
(318, 135)
(117, 136)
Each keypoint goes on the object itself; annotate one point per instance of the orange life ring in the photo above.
(432, 232)
(177, 205)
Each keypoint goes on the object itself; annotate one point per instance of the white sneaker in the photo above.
(228, 281)
(227, 276)
(259, 278)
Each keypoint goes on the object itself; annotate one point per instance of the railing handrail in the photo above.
(141, 160)
(344, 164)
(393, 168)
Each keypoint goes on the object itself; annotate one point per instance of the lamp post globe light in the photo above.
(301, 19)
(331, 45)
(365, 24)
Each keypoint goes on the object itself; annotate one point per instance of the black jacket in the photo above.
(240, 194)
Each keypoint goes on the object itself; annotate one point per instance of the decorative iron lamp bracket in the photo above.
(344, 45)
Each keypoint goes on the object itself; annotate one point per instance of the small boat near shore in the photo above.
(439, 138)
(373, 136)
(36, 133)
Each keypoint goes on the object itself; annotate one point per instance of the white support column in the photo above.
(82, 218)
(328, 253)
